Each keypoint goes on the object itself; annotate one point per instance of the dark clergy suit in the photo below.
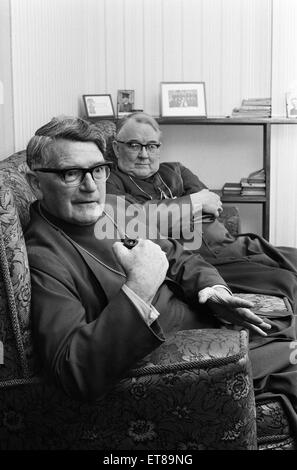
(88, 331)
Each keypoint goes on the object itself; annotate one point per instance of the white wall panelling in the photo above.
(65, 48)
(6, 109)
(48, 62)
(284, 138)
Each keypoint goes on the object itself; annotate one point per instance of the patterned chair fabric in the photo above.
(193, 392)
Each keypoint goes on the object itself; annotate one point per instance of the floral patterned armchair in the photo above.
(193, 392)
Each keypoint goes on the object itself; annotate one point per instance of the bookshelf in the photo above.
(266, 124)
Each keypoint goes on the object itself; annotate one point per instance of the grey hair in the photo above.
(140, 117)
(62, 127)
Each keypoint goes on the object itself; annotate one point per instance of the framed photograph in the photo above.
(183, 99)
(125, 102)
(99, 106)
(291, 104)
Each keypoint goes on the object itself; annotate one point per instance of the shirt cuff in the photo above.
(222, 286)
(148, 312)
(196, 206)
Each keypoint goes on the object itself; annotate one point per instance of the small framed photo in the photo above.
(125, 102)
(291, 104)
(99, 106)
(183, 99)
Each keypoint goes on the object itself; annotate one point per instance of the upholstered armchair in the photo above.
(193, 392)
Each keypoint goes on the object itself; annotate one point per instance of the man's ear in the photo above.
(34, 184)
(115, 147)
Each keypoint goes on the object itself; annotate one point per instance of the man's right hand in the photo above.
(208, 200)
(145, 265)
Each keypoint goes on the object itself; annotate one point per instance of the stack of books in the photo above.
(231, 189)
(253, 185)
(253, 107)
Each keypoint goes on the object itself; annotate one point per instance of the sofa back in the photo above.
(18, 364)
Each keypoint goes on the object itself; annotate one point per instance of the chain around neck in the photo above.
(162, 193)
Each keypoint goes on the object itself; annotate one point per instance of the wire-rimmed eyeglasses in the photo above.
(74, 176)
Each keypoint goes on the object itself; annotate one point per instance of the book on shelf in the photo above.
(253, 107)
(247, 183)
(257, 176)
(256, 101)
(253, 192)
(231, 188)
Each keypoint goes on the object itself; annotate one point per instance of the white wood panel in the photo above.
(134, 50)
(6, 116)
(284, 138)
(284, 186)
(115, 47)
(48, 55)
(212, 54)
(172, 40)
(284, 59)
(256, 48)
(153, 55)
(231, 56)
(192, 28)
(65, 48)
(95, 58)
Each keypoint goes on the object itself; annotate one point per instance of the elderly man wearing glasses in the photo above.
(99, 302)
(248, 262)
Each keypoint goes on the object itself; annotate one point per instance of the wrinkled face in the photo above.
(142, 163)
(82, 204)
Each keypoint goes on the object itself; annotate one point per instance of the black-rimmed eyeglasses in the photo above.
(136, 147)
(75, 176)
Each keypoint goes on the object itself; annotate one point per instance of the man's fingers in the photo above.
(249, 316)
(239, 302)
(254, 328)
(120, 250)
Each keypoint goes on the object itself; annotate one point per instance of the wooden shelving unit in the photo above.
(266, 124)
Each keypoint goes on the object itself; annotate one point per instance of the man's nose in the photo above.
(143, 152)
(88, 183)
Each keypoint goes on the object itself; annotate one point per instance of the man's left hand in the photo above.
(232, 309)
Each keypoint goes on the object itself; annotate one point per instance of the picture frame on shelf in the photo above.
(99, 106)
(183, 99)
(291, 104)
(125, 102)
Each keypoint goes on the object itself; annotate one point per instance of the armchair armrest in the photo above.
(193, 392)
(230, 217)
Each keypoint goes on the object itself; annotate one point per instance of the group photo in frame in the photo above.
(291, 104)
(183, 99)
(98, 106)
(125, 102)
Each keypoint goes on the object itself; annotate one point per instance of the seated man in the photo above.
(97, 306)
(248, 262)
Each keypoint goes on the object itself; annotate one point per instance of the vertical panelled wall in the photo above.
(284, 138)
(48, 61)
(6, 120)
(64, 48)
